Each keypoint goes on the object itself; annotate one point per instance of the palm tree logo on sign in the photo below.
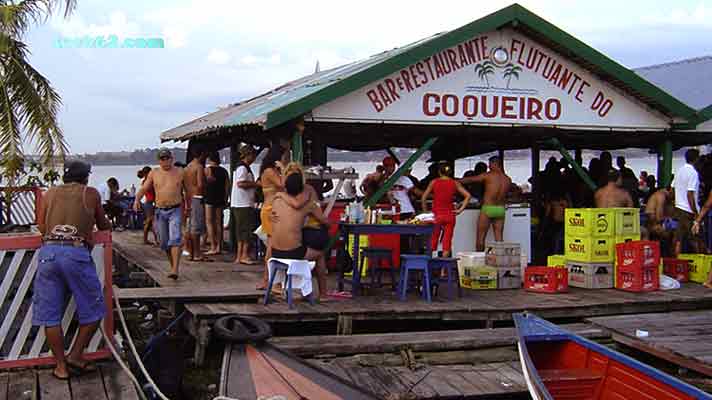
(498, 73)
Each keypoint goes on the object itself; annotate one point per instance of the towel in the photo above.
(300, 270)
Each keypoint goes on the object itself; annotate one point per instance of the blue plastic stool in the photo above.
(450, 265)
(415, 262)
(283, 267)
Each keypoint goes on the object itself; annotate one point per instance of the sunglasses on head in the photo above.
(165, 158)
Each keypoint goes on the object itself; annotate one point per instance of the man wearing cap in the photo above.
(168, 183)
(242, 204)
(66, 218)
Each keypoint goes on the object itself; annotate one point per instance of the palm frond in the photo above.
(16, 18)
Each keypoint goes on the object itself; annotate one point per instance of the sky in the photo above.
(219, 52)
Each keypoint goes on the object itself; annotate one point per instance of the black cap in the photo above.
(164, 152)
(75, 170)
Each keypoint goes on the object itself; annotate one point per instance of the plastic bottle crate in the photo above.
(502, 254)
(593, 222)
(546, 279)
(677, 269)
(479, 278)
(638, 253)
(509, 278)
(589, 249)
(590, 275)
(556, 260)
(627, 221)
(638, 279)
(699, 266)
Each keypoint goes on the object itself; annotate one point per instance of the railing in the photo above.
(23, 205)
(24, 345)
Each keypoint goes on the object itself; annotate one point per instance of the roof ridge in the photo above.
(678, 62)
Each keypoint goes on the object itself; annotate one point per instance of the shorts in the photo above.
(295, 254)
(148, 212)
(168, 224)
(61, 271)
(684, 224)
(244, 218)
(493, 211)
(315, 238)
(266, 219)
(197, 216)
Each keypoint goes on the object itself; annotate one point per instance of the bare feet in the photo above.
(61, 373)
(173, 276)
(249, 262)
(708, 285)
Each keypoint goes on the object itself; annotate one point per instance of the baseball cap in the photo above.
(163, 152)
(76, 170)
(246, 150)
(389, 161)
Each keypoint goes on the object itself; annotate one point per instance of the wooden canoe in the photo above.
(558, 364)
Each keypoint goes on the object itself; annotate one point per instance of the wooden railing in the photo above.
(24, 202)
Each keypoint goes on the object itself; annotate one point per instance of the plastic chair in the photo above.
(277, 267)
(449, 265)
(415, 262)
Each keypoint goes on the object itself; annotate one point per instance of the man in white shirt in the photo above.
(686, 185)
(242, 204)
(400, 193)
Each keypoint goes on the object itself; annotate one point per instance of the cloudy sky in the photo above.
(222, 51)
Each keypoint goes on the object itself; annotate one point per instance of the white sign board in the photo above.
(500, 77)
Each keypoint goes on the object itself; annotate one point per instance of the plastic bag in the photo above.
(261, 234)
(668, 283)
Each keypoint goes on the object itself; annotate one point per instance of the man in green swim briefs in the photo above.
(496, 184)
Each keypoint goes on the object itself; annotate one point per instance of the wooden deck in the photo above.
(110, 382)
(682, 338)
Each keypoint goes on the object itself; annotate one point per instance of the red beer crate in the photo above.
(635, 279)
(546, 279)
(677, 269)
(638, 253)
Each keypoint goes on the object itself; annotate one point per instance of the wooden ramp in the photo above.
(683, 338)
(110, 382)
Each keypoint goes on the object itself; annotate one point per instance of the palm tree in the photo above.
(484, 69)
(28, 103)
(511, 70)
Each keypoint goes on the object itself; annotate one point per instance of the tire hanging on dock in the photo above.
(238, 328)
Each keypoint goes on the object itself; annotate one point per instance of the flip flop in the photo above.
(173, 276)
(250, 262)
(82, 369)
(61, 378)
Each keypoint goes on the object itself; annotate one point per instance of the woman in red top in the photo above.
(148, 207)
(444, 189)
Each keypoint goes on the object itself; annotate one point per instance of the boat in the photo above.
(558, 364)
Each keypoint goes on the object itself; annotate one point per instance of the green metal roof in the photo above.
(303, 95)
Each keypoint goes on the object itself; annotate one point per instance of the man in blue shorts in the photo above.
(66, 218)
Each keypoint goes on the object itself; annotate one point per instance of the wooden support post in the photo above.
(536, 165)
(500, 154)
(344, 325)
(202, 339)
(234, 160)
(665, 164)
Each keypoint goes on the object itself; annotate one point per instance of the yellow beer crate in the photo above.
(589, 249)
(699, 266)
(479, 278)
(627, 221)
(555, 260)
(593, 222)
(362, 243)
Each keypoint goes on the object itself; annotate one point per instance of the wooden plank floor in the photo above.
(110, 382)
(682, 338)
(206, 281)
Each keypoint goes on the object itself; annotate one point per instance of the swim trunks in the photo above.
(493, 212)
(293, 254)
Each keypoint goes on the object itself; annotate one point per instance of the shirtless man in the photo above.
(169, 185)
(497, 185)
(195, 191)
(288, 223)
(613, 195)
(655, 210)
(372, 181)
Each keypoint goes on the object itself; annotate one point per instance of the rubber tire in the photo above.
(237, 328)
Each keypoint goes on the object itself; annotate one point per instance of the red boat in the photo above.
(558, 364)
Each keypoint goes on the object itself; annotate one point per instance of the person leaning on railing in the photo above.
(66, 218)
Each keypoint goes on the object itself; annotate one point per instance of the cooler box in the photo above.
(589, 249)
(590, 275)
(589, 222)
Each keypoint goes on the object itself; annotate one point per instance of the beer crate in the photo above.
(699, 266)
(479, 278)
(627, 221)
(589, 249)
(590, 275)
(590, 222)
(638, 253)
(638, 278)
(556, 260)
(502, 254)
(546, 279)
(509, 278)
(677, 269)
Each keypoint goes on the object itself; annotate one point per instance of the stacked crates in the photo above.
(677, 269)
(589, 247)
(506, 259)
(637, 266)
(699, 266)
(549, 279)
(474, 274)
